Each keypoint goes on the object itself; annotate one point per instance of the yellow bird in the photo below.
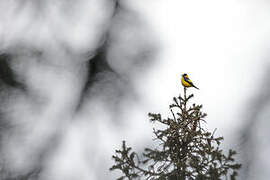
(186, 82)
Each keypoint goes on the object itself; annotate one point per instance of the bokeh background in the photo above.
(77, 78)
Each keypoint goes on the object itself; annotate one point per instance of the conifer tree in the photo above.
(186, 151)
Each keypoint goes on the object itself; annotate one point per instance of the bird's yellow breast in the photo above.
(184, 83)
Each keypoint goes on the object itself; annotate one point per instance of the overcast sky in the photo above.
(223, 46)
(69, 119)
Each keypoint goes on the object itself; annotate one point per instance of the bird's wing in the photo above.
(188, 81)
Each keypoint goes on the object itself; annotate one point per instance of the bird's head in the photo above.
(184, 75)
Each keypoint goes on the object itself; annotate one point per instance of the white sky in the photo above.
(222, 45)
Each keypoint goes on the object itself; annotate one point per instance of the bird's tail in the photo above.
(195, 87)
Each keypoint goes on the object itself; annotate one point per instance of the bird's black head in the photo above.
(184, 74)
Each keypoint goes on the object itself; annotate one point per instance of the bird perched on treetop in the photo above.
(186, 82)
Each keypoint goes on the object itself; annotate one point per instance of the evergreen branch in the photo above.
(186, 150)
